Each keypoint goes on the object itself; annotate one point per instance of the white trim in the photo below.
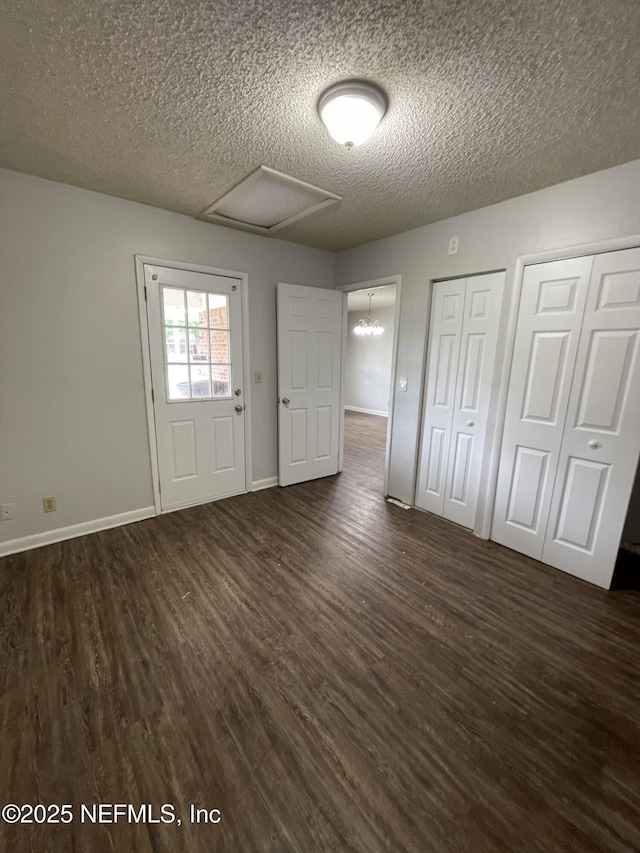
(343, 380)
(267, 483)
(371, 285)
(326, 199)
(366, 411)
(246, 381)
(632, 241)
(140, 261)
(61, 534)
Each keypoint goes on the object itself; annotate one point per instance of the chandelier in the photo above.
(368, 326)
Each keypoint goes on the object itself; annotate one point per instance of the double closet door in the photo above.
(572, 427)
(463, 332)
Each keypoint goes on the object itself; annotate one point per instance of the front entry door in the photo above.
(195, 345)
(309, 371)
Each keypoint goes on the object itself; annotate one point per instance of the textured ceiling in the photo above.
(171, 103)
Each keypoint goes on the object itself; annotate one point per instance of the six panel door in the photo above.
(549, 320)
(445, 327)
(601, 442)
(463, 335)
(309, 372)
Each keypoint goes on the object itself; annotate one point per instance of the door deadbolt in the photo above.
(237, 392)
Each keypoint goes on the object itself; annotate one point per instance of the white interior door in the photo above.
(195, 346)
(309, 372)
(445, 327)
(549, 321)
(463, 338)
(601, 442)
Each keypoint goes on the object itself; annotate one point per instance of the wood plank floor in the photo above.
(332, 672)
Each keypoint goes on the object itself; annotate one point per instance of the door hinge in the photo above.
(145, 293)
(159, 487)
(153, 396)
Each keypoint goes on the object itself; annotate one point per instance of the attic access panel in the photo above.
(266, 201)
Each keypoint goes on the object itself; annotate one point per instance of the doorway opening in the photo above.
(369, 378)
(626, 574)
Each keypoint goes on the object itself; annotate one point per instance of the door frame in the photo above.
(243, 278)
(372, 284)
(595, 247)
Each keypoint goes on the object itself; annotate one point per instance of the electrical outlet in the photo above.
(6, 512)
(258, 377)
(453, 245)
(402, 382)
(49, 504)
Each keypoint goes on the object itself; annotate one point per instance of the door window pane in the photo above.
(200, 381)
(197, 344)
(173, 306)
(178, 382)
(197, 309)
(219, 346)
(175, 343)
(221, 384)
(218, 313)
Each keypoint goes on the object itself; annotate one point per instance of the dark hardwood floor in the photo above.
(332, 672)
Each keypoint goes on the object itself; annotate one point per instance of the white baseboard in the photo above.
(367, 411)
(26, 543)
(268, 483)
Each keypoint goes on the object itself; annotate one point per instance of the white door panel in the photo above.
(470, 414)
(442, 368)
(195, 345)
(524, 505)
(309, 370)
(601, 442)
(549, 320)
(462, 347)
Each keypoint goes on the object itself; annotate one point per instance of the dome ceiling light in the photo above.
(352, 110)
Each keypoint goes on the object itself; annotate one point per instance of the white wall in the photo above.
(72, 413)
(369, 363)
(597, 207)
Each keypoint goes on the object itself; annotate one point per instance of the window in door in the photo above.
(197, 352)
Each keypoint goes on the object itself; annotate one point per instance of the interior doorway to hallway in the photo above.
(369, 386)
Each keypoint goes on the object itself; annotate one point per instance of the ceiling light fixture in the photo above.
(352, 110)
(368, 326)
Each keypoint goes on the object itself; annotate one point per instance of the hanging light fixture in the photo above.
(352, 110)
(368, 326)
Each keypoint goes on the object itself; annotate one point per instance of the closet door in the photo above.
(601, 443)
(461, 358)
(445, 329)
(478, 342)
(550, 315)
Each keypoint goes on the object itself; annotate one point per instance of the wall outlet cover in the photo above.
(49, 504)
(6, 512)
